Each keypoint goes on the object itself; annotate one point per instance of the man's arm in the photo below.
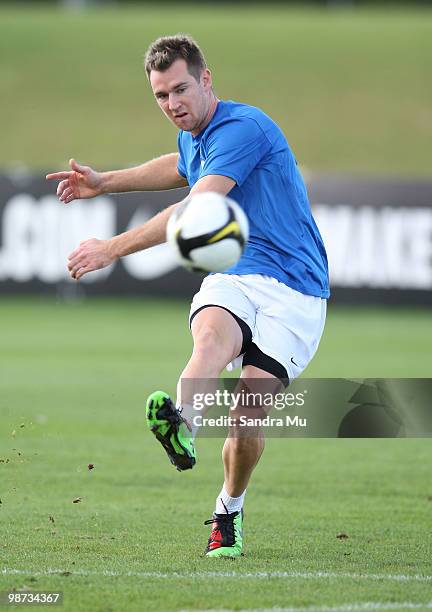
(155, 175)
(94, 254)
(84, 182)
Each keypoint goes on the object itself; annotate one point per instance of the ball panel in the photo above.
(241, 218)
(208, 232)
(216, 257)
(204, 215)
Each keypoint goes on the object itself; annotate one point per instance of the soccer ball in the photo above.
(208, 232)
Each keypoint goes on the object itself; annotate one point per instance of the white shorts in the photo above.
(285, 324)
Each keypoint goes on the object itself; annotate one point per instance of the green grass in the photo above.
(351, 89)
(72, 387)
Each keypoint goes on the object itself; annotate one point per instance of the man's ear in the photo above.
(206, 78)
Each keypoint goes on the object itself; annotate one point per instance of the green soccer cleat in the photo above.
(172, 431)
(226, 538)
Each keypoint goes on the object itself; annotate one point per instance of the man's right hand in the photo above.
(79, 182)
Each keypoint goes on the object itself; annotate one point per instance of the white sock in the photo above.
(225, 503)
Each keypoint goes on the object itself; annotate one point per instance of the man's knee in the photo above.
(216, 335)
(209, 343)
(208, 337)
(244, 440)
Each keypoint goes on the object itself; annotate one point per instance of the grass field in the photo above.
(72, 387)
(351, 89)
(353, 93)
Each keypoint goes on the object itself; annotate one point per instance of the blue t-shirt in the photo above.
(243, 143)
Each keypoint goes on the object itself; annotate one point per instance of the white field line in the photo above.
(370, 605)
(204, 575)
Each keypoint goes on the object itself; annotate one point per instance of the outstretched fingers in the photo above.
(58, 176)
(67, 195)
(67, 189)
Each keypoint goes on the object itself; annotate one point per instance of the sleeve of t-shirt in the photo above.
(181, 168)
(235, 148)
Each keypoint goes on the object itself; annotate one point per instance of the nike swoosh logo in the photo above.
(292, 361)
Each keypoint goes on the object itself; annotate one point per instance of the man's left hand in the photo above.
(92, 254)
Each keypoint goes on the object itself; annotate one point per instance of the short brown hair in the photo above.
(164, 51)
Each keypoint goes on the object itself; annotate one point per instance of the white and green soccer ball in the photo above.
(208, 232)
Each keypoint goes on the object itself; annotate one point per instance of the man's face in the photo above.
(184, 100)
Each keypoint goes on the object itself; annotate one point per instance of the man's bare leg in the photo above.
(217, 340)
(243, 448)
(241, 453)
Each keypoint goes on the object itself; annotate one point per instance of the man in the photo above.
(269, 308)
